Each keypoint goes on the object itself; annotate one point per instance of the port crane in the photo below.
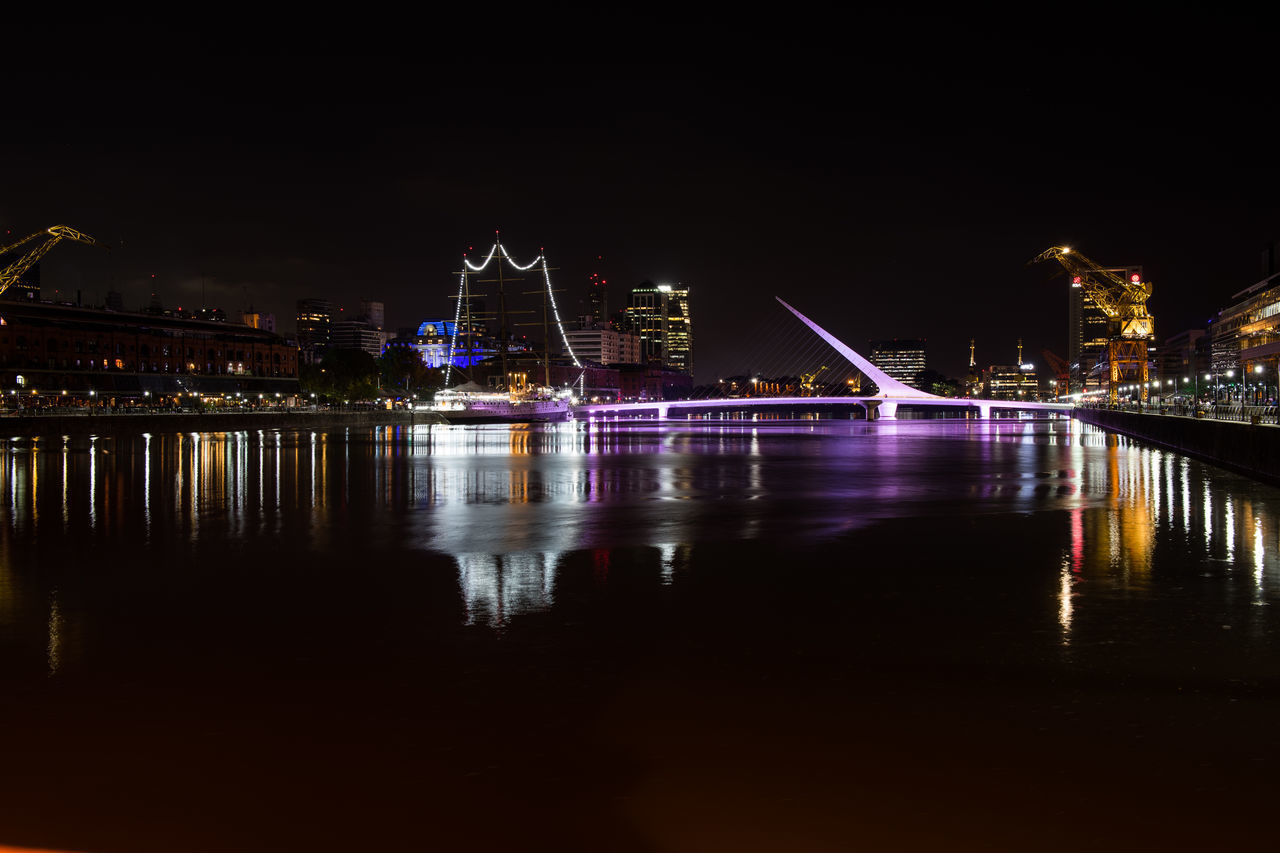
(51, 236)
(807, 379)
(1061, 371)
(1130, 326)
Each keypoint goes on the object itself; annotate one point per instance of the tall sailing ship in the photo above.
(471, 403)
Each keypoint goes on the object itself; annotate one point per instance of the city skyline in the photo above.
(911, 212)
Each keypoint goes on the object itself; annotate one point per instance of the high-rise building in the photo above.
(358, 334)
(315, 328)
(603, 345)
(1247, 332)
(596, 303)
(660, 316)
(373, 312)
(901, 358)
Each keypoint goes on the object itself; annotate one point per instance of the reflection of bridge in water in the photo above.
(880, 406)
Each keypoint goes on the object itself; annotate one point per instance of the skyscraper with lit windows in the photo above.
(315, 328)
(901, 358)
(661, 316)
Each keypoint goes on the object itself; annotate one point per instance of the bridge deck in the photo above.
(887, 405)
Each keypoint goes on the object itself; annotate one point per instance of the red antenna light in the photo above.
(1135, 278)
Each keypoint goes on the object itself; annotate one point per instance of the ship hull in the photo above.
(505, 412)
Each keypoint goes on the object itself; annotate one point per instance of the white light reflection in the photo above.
(1259, 551)
(668, 562)
(496, 588)
(66, 511)
(1065, 582)
(1208, 516)
(1229, 532)
(146, 484)
(1186, 494)
(93, 480)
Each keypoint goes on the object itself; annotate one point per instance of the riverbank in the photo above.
(45, 426)
(1246, 448)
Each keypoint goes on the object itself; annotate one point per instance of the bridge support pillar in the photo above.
(887, 411)
(984, 411)
(662, 413)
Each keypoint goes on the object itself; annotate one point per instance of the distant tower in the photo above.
(374, 313)
(315, 328)
(1019, 350)
(973, 365)
(596, 304)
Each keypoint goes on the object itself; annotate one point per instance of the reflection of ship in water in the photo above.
(509, 396)
(497, 587)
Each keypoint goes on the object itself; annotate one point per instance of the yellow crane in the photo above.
(1130, 326)
(51, 236)
(806, 381)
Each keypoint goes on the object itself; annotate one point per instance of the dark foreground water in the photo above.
(808, 636)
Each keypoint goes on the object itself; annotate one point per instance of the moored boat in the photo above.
(471, 404)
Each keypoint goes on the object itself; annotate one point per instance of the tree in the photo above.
(404, 372)
(343, 374)
(935, 383)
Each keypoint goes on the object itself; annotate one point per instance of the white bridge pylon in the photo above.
(889, 387)
(882, 405)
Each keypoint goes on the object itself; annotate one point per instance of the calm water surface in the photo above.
(776, 635)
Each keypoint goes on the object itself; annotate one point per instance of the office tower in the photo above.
(901, 358)
(373, 312)
(660, 315)
(315, 328)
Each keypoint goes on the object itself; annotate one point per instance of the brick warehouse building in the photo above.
(89, 352)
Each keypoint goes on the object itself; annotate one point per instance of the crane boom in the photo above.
(52, 236)
(1124, 302)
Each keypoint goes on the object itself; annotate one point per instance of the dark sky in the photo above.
(884, 195)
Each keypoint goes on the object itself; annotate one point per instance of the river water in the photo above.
(818, 635)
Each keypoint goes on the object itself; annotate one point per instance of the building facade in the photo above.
(314, 329)
(55, 348)
(661, 317)
(1246, 334)
(603, 346)
(358, 335)
(1011, 382)
(901, 358)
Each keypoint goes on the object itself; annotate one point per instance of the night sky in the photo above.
(885, 195)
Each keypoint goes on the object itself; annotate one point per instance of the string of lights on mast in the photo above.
(498, 249)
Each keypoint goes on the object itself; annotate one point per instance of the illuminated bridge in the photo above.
(883, 405)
